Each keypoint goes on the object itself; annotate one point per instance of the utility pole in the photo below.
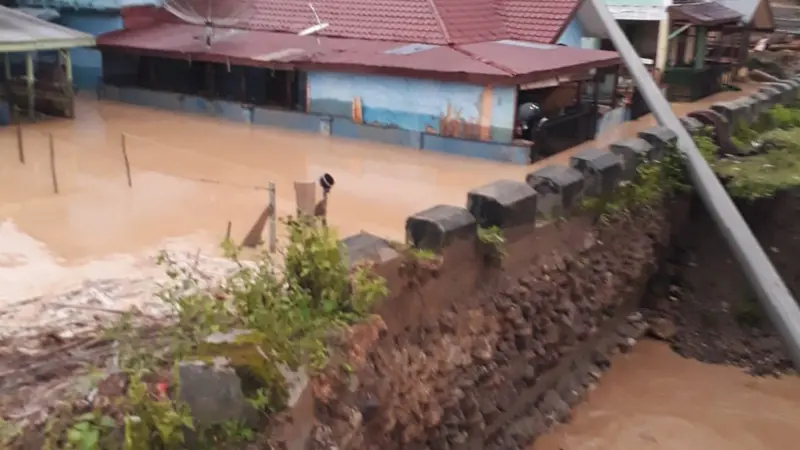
(764, 279)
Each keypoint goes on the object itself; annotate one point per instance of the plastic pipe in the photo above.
(764, 279)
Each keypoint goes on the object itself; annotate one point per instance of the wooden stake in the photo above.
(127, 163)
(20, 145)
(273, 239)
(228, 232)
(53, 162)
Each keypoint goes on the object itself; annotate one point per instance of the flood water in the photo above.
(191, 175)
(653, 399)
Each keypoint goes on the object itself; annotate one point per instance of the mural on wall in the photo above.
(434, 107)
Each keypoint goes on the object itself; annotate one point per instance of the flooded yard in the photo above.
(191, 175)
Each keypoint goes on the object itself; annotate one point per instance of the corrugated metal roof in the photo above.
(747, 8)
(47, 14)
(756, 14)
(704, 13)
(787, 18)
(493, 59)
(21, 32)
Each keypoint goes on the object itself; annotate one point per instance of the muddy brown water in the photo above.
(653, 399)
(191, 175)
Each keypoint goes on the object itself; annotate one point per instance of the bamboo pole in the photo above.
(20, 144)
(53, 162)
(125, 158)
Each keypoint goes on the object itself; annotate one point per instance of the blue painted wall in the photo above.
(316, 123)
(91, 5)
(573, 34)
(87, 64)
(413, 104)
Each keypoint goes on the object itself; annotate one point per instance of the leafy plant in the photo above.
(654, 181)
(288, 311)
(493, 241)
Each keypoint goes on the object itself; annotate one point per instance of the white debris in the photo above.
(101, 301)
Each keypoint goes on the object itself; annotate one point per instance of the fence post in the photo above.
(20, 144)
(273, 219)
(125, 158)
(53, 162)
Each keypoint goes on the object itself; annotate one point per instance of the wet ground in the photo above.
(653, 399)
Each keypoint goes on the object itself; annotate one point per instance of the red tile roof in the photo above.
(511, 62)
(421, 21)
(537, 20)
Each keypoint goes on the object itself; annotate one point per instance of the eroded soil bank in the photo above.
(704, 293)
(698, 390)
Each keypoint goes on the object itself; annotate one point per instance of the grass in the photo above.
(776, 167)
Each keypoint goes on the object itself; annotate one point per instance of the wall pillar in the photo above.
(701, 41)
(65, 59)
(662, 48)
(29, 76)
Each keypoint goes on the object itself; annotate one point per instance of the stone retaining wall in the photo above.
(466, 353)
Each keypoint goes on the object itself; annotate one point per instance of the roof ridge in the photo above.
(440, 21)
(493, 64)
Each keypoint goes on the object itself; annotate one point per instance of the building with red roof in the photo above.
(440, 74)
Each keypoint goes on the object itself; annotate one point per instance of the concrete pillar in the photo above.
(65, 58)
(700, 48)
(662, 49)
(29, 76)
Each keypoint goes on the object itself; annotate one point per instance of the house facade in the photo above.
(94, 17)
(416, 73)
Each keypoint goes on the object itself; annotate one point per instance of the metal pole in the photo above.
(768, 285)
(273, 218)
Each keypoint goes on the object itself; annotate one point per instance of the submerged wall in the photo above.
(316, 123)
(430, 106)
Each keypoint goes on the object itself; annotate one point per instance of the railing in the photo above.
(50, 98)
(566, 131)
(687, 84)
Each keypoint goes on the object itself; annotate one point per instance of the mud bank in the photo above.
(704, 294)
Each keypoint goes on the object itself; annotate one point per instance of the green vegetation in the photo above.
(773, 162)
(287, 314)
(493, 244)
(655, 180)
